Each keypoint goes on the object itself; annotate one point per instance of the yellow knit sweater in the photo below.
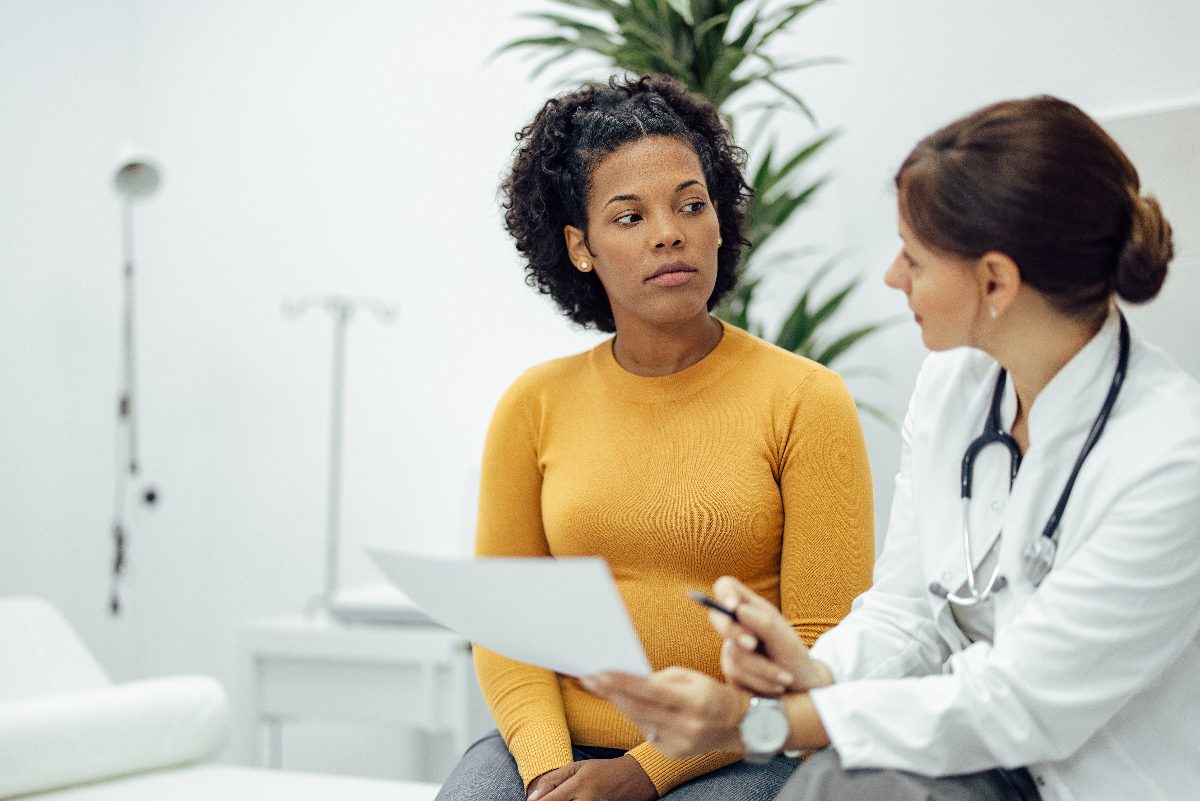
(749, 463)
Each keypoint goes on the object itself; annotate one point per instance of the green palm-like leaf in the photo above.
(799, 328)
(769, 80)
(833, 303)
(735, 309)
(828, 355)
(709, 25)
(565, 22)
(765, 181)
(611, 7)
(684, 9)
(685, 39)
(773, 205)
(533, 41)
(769, 214)
(799, 331)
(742, 40)
(783, 18)
(546, 63)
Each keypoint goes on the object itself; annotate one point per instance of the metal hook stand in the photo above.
(136, 177)
(342, 310)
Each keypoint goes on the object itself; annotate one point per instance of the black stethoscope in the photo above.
(1037, 557)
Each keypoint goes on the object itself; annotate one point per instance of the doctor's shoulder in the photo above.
(1160, 407)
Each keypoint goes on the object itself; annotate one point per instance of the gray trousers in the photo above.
(488, 772)
(822, 778)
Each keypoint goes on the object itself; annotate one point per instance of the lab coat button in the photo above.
(946, 576)
(995, 506)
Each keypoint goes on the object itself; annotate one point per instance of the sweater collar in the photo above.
(691, 379)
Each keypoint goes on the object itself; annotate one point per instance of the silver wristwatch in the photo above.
(764, 729)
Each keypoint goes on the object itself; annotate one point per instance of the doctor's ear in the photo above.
(1000, 279)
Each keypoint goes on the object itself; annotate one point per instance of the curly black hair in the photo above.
(556, 154)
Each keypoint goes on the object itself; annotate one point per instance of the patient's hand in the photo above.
(786, 667)
(683, 712)
(621, 778)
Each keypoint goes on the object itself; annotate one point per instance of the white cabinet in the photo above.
(415, 676)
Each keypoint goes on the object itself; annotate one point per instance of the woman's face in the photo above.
(943, 292)
(652, 232)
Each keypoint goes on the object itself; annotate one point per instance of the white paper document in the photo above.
(562, 614)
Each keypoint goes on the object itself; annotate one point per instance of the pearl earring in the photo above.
(995, 314)
(720, 241)
(584, 267)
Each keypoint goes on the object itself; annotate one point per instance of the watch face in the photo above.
(765, 727)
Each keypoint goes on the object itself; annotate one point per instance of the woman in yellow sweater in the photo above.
(680, 450)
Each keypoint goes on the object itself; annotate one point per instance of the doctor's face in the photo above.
(943, 292)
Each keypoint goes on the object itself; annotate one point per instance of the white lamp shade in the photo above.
(137, 177)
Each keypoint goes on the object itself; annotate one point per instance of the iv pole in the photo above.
(341, 310)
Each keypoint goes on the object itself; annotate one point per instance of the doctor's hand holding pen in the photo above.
(684, 712)
(761, 653)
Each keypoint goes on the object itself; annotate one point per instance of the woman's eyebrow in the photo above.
(619, 198)
(678, 189)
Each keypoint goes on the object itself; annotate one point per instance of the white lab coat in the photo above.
(1093, 679)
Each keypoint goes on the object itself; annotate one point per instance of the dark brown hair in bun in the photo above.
(1142, 265)
(1041, 181)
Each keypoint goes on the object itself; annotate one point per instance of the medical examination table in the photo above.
(67, 733)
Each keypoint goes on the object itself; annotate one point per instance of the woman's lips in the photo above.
(673, 278)
(673, 274)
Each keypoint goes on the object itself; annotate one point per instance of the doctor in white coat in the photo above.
(1034, 626)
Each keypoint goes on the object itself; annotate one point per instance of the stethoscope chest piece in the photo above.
(1037, 557)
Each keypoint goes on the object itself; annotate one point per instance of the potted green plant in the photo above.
(721, 49)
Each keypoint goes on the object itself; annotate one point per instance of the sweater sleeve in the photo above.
(667, 773)
(828, 526)
(890, 633)
(524, 700)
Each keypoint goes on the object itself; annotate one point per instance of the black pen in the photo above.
(704, 600)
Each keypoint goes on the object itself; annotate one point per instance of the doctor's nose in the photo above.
(895, 275)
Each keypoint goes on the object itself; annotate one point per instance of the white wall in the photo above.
(354, 147)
